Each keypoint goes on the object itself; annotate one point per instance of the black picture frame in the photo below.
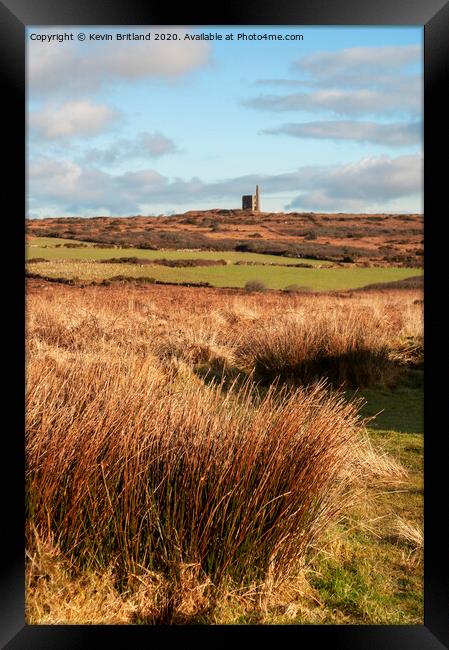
(433, 15)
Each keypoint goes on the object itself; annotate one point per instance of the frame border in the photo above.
(433, 15)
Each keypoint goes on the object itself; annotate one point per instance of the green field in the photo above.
(45, 247)
(274, 277)
(81, 263)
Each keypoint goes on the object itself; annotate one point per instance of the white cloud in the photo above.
(64, 181)
(353, 81)
(396, 134)
(373, 180)
(370, 181)
(77, 68)
(55, 177)
(342, 102)
(357, 65)
(144, 145)
(71, 119)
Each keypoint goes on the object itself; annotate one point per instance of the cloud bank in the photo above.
(396, 134)
(358, 65)
(350, 85)
(84, 190)
(340, 101)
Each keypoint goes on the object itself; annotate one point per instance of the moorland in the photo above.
(221, 434)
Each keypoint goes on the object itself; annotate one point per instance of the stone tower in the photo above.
(251, 201)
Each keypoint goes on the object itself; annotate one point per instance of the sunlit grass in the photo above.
(46, 247)
(274, 277)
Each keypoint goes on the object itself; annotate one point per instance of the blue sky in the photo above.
(329, 123)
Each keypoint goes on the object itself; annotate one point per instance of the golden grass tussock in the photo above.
(125, 464)
(409, 533)
(303, 349)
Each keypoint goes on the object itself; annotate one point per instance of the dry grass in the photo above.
(55, 596)
(356, 338)
(171, 491)
(59, 595)
(407, 532)
(300, 349)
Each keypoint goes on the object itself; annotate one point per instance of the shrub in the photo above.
(255, 285)
(296, 288)
(130, 278)
(183, 263)
(73, 245)
(125, 260)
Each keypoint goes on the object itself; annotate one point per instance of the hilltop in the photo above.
(386, 239)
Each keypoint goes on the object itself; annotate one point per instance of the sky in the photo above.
(331, 122)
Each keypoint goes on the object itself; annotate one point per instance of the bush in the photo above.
(186, 263)
(72, 245)
(255, 285)
(130, 278)
(296, 288)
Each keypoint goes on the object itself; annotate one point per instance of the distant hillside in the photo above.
(387, 239)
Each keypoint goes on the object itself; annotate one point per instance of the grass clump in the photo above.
(124, 469)
(300, 351)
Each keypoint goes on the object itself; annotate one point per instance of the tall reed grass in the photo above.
(348, 348)
(126, 467)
